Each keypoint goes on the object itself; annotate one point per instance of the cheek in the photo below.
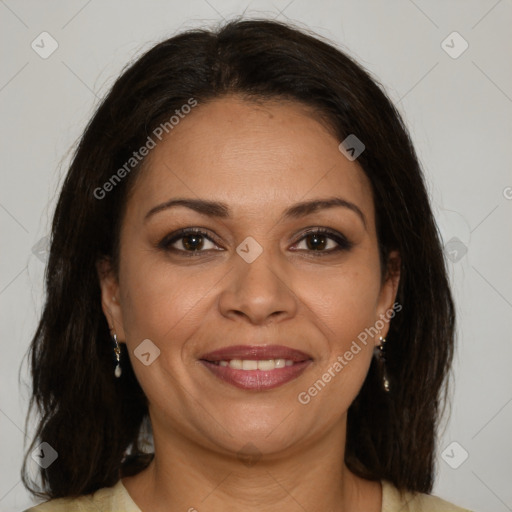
(345, 307)
(345, 300)
(160, 299)
(167, 306)
(344, 363)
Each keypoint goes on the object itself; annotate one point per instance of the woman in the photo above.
(243, 226)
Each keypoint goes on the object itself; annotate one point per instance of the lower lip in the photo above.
(257, 379)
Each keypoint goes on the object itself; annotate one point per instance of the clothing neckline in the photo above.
(390, 496)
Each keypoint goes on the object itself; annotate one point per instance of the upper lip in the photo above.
(256, 353)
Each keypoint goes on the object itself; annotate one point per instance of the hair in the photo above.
(95, 421)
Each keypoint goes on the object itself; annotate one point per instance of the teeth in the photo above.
(270, 364)
(248, 364)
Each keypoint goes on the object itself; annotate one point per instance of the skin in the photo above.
(259, 159)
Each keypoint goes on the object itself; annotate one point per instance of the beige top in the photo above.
(117, 499)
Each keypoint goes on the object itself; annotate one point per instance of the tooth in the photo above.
(249, 365)
(266, 365)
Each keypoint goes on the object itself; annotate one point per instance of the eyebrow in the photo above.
(222, 211)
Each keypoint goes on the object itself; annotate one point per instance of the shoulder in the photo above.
(107, 499)
(392, 501)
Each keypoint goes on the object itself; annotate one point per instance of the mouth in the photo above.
(256, 367)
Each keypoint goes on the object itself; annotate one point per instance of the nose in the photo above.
(258, 292)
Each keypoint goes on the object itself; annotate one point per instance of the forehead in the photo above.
(252, 156)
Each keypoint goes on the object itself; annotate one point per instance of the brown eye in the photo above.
(193, 242)
(188, 241)
(325, 241)
(316, 241)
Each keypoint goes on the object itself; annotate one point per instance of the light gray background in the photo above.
(458, 111)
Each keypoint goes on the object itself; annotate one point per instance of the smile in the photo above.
(256, 367)
(249, 364)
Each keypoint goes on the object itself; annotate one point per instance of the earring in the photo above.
(117, 351)
(382, 364)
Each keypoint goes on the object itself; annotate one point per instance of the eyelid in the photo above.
(343, 243)
(180, 233)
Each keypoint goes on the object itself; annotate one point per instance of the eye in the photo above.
(317, 240)
(194, 241)
(188, 240)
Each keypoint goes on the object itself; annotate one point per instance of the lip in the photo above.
(255, 353)
(257, 380)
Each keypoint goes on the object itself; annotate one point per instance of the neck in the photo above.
(186, 476)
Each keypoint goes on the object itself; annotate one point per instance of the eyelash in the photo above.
(343, 243)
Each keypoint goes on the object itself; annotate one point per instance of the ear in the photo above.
(387, 296)
(110, 298)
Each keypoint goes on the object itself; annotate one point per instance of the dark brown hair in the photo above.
(94, 420)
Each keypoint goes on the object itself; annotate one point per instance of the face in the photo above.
(254, 273)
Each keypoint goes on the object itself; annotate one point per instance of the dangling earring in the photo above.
(382, 364)
(117, 351)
